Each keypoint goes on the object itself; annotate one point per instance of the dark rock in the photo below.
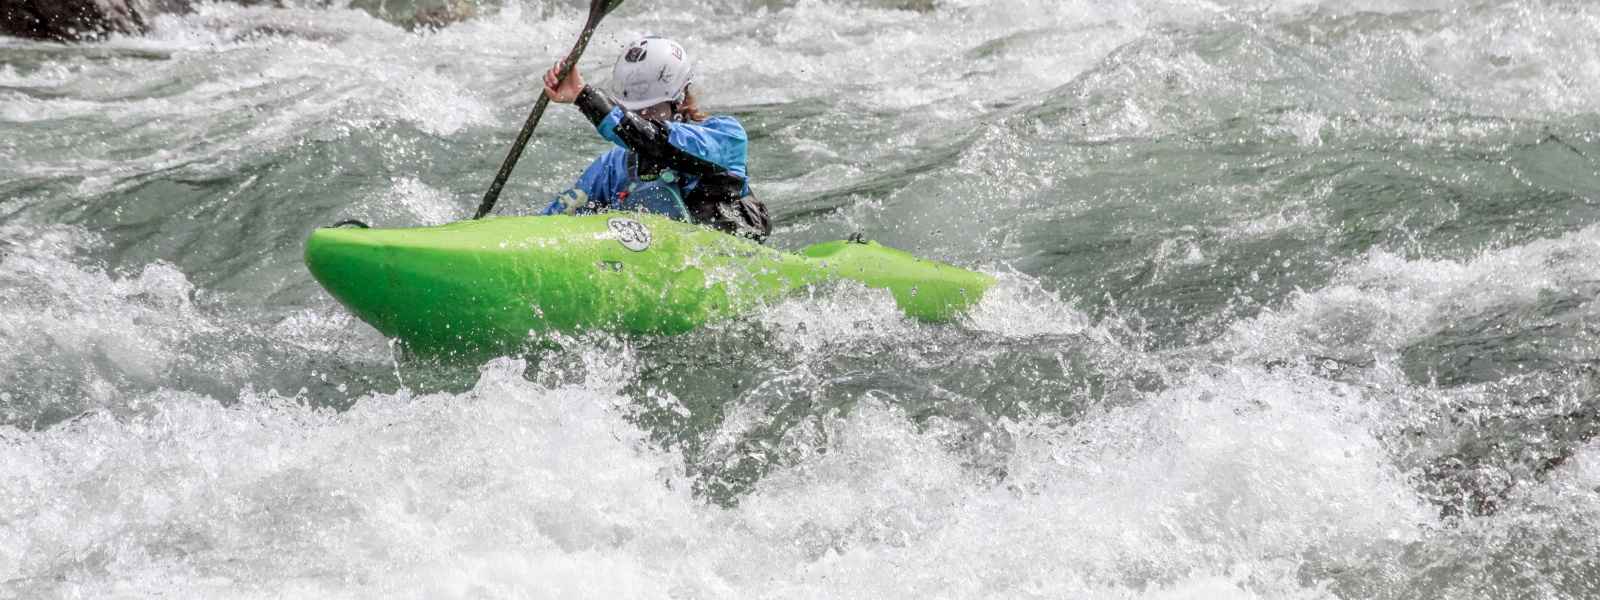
(68, 20)
(81, 20)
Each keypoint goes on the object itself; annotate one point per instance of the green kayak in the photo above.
(483, 286)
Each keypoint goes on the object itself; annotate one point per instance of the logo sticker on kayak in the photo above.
(633, 234)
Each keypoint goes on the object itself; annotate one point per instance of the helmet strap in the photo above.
(676, 104)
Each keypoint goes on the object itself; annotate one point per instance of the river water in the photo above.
(1298, 300)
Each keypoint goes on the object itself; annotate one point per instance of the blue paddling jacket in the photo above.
(706, 159)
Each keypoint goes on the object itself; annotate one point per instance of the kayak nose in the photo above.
(352, 265)
(454, 289)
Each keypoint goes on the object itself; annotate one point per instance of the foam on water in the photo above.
(71, 337)
(1228, 482)
(1019, 307)
(230, 68)
(76, 336)
(1386, 302)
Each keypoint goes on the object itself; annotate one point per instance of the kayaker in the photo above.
(672, 158)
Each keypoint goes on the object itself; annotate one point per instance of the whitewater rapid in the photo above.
(1297, 300)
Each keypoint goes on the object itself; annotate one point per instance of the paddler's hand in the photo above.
(563, 91)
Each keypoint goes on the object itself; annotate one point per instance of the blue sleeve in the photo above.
(720, 140)
(608, 127)
(601, 181)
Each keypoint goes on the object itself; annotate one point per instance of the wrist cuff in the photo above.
(594, 104)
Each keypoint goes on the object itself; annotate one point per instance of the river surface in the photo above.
(1297, 300)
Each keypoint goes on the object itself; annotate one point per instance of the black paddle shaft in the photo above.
(597, 11)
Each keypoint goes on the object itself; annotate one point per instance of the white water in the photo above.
(514, 489)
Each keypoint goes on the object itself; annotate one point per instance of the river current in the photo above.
(1297, 300)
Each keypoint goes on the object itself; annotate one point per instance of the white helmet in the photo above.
(651, 71)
